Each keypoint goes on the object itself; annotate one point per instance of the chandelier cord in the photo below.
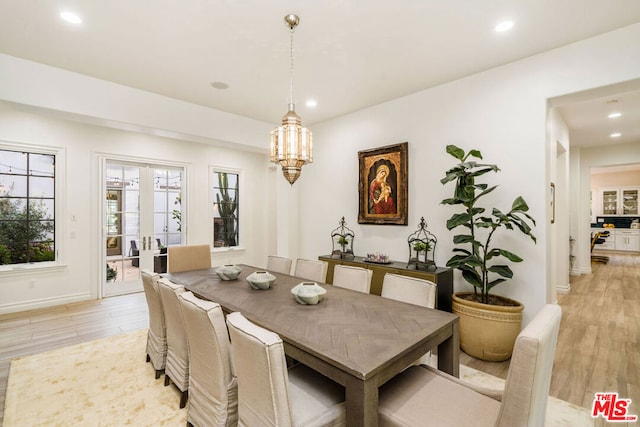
(291, 67)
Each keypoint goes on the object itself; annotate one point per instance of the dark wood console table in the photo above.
(443, 277)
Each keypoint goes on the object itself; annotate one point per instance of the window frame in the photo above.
(58, 206)
(213, 183)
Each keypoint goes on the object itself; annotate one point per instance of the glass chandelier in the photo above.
(291, 144)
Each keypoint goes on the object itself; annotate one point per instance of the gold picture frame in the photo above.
(384, 185)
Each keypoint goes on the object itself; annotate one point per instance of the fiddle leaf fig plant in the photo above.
(482, 265)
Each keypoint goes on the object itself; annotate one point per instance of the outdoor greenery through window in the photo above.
(27, 201)
(225, 209)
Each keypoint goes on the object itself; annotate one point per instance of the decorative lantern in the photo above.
(342, 242)
(422, 247)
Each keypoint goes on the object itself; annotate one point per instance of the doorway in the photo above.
(142, 216)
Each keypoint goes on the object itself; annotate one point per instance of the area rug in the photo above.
(107, 383)
(99, 383)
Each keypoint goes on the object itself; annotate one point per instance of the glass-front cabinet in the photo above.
(610, 202)
(630, 202)
(620, 201)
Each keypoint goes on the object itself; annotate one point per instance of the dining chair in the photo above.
(157, 335)
(409, 289)
(213, 391)
(422, 395)
(311, 270)
(177, 366)
(354, 278)
(279, 264)
(189, 257)
(269, 394)
(412, 291)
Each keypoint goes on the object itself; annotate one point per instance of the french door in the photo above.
(142, 216)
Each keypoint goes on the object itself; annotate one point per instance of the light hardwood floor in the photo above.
(598, 345)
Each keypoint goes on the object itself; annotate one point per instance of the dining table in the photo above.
(358, 340)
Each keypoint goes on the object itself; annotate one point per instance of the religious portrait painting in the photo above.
(383, 185)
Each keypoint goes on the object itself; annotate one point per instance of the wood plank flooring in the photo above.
(598, 345)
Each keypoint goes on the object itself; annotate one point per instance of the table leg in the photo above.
(362, 402)
(449, 353)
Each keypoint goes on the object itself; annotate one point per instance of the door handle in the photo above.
(144, 243)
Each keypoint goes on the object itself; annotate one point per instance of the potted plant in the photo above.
(111, 273)
(483, 333)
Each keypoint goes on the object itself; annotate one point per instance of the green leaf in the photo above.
(458, 219)
(492, 283)
(464, 238)
(502, 270)
(475, 153)
(509, 255)
(472, 277)
(456, 152)
(519, 205)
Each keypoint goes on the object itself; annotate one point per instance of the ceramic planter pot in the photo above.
(308, 293)
(487, 332)
(260, 280)
(228, 272)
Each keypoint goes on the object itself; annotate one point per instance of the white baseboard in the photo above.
(563, 289)
(44, 302)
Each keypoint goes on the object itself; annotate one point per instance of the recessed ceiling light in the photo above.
(219, 85)
(504, 26)
(615, 115)
(615, 135)
(71, 17)
(311, 103)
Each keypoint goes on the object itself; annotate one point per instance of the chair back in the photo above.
(157, 335)
(409, 289)
(177, 367)
(354, 278)
(279, 264)
(213, 393)
(261, 369)
(190, 257)
(527, 387)
(311, 270)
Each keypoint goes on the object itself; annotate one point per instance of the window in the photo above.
(27, 207)
(226, 208)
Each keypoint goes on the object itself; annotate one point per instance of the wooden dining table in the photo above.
(358, 340)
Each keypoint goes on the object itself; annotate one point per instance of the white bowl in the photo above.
(228, 272)
(308, 293)
(260, 280)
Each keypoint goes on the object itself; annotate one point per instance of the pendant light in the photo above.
(291, 144)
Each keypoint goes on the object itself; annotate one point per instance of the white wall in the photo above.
(79, 241)
(502, 112)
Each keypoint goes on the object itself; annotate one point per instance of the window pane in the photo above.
(41, 164)
(41, 187)
(27, 207)
(41, 208)
(225, 209)
(13, 162)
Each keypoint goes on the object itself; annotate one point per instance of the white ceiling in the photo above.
(349, 54)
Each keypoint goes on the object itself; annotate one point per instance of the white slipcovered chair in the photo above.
(354, 278)
(424, 396)
(279, 264)
(409, 289)
(157, 335)
(213, 392)
(177, 367)
(311, 270)
(271, 395)
(412, 291)
(189, 257)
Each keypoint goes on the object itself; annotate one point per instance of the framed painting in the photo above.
(384, 185)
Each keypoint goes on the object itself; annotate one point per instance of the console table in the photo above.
(442, 277)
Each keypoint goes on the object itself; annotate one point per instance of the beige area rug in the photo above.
(107, 383)
(99, 383)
